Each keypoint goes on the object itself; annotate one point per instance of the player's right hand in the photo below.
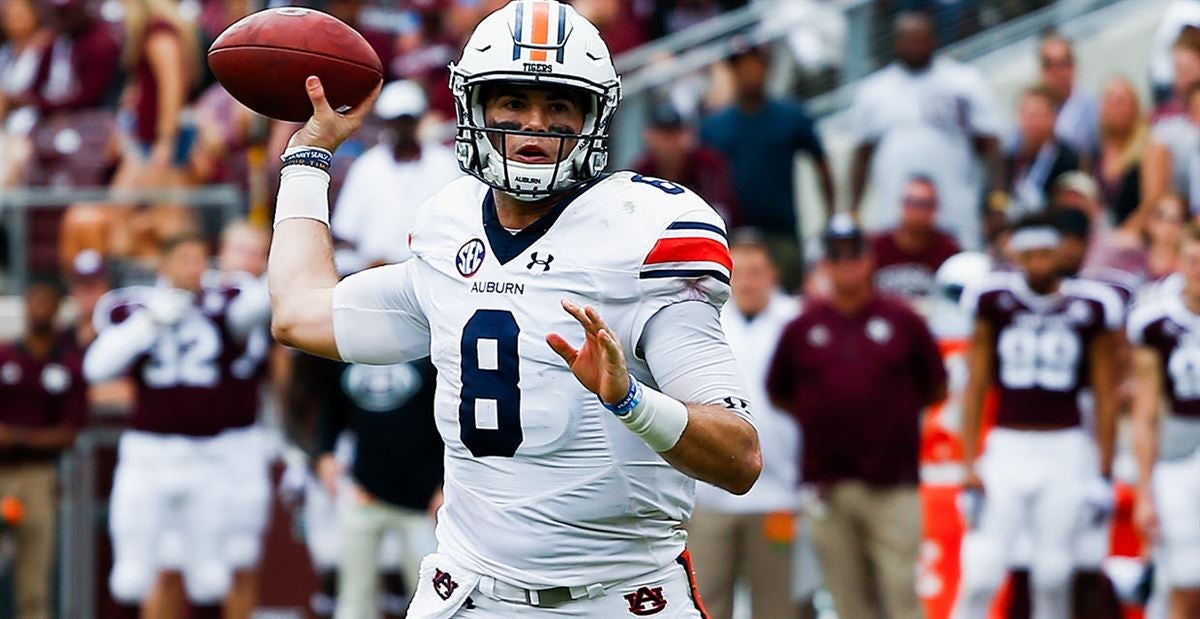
(972, 482)
(326, 128)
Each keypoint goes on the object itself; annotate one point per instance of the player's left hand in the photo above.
(599, 363)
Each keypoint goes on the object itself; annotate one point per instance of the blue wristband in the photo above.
(627, 403)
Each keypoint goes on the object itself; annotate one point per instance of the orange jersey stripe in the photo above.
(541, 30)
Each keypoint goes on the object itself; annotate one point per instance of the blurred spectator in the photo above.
(1091, 245)
(672, 153)
(1078, 120)
(760, 137)
(43, 404)
(24, 41)
(389, 410)
(1123, 132)
(751, 536)
(931, 116)
(622, 23)
(384, 187)
(21, 50)
(1185, 60)
(244, 248)
(857, 369)
(1077, 245)
(1173, 151)
(161, 54)
(1164, 231)
(88, 281)
(907, 256)
(225, 129)
(422, 53)
(671, 16)
(80, 69)
(1163, 77)
(1038, 158)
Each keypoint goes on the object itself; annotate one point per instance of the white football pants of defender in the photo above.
(1033, 480)
(189, 504)
(1176, 487)
(668, 593)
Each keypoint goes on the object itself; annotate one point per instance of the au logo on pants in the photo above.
(646, 601)
(443, 585)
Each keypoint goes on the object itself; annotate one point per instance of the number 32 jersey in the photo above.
(543, 486)
(1042, 344)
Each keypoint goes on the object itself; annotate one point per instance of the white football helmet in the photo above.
(535, 42)
(960, 271)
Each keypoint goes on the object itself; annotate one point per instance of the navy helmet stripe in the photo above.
(562, 31)
(685, 273)
(517, 34)
(697, 225)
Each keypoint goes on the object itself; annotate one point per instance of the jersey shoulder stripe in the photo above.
(689, 249)
(1142, 316)
(1108, 299)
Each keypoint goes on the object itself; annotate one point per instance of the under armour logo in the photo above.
(736, 403)
(535, 261)
(646, 601)
(443, 585)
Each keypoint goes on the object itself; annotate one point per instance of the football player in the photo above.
(1165, 332)
(573, 318)
(1039, 339)
(178, 506)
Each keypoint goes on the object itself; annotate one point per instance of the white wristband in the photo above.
(659, 419)
(303, 194)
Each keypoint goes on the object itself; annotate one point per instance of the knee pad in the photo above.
(1051, 569)
(983, 563)
(131, 581)
(207, 583)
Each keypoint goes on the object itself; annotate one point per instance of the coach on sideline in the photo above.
(856, 369)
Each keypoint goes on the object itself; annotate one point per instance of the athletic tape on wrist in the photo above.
(303, 194)
(658, 418)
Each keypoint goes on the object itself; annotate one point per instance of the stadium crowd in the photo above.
(853, 343)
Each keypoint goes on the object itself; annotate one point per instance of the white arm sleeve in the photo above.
(250, 308)
(116, 347)
(685, 348)
(376, 317)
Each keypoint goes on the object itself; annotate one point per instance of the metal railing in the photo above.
(16, 203)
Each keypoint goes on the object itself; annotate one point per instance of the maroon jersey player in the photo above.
(1165, 332)
(181, 341)
(1038, 339)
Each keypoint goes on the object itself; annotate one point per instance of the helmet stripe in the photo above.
(520, 26)
(562, 31)
(541, 30)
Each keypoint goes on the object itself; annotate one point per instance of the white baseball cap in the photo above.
(400, 98)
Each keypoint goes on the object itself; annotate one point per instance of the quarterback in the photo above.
(583, 379)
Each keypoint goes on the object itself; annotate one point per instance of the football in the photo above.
(264, 58)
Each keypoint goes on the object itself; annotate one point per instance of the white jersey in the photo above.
(923, 123)
(543, 487)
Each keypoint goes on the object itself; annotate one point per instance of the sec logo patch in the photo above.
(470, 257)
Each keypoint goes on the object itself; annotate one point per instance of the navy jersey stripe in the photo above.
(520, 26)
(697, 225)
(685, 273)
(562, 31)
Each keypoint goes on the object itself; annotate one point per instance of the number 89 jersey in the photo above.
(543, 486)
(1042, 344)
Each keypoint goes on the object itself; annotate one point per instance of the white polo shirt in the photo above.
(923, 123)
(378, 203)
(753, 342)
